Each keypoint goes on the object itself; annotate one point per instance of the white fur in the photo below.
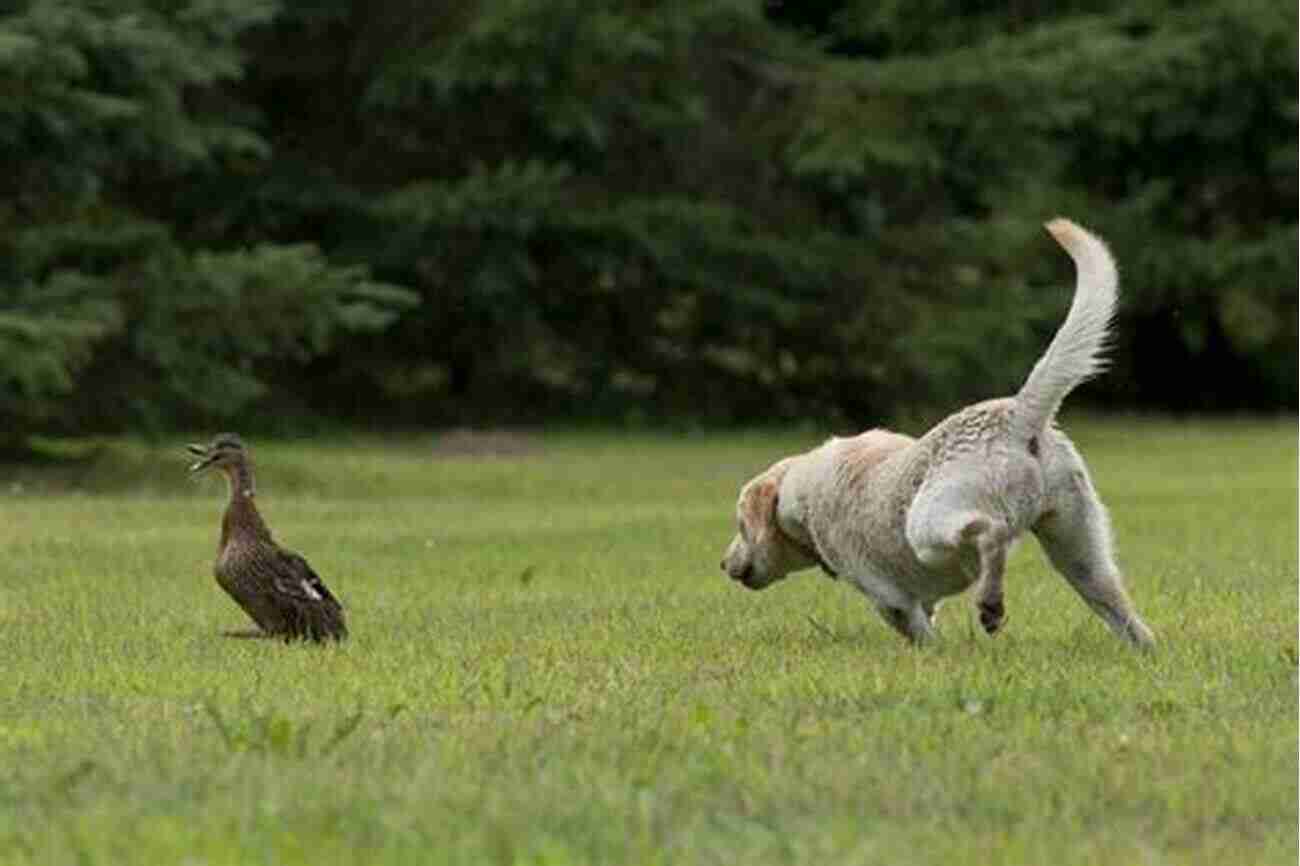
(911, 521)
(1075, 353)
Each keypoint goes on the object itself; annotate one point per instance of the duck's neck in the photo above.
(239, 477)
(241, 514)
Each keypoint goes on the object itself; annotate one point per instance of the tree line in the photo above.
(711, 211)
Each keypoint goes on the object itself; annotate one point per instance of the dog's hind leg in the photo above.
(938, 534)
(1075, 533)
(945, 535)
(992, 545)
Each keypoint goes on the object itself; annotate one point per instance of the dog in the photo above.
(912, 521)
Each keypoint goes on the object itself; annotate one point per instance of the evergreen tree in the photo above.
(109, 313)
(723, 211)
(1170, 127)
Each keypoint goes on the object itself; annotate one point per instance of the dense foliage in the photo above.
(531, 209)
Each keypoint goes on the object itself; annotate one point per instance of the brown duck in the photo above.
(274, 586)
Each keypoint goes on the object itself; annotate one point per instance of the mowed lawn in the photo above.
(548, 667)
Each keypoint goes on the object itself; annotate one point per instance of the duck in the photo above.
(275, 586)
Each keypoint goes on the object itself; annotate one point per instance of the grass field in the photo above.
(547, 667)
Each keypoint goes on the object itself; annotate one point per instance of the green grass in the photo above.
(548, 667)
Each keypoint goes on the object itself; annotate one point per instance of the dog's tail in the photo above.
(1075, 354)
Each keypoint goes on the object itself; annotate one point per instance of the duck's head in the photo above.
(225, 449)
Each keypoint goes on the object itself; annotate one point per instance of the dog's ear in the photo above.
(758, 507)
(758, 502)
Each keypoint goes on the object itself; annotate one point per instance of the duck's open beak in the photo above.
(205, 459)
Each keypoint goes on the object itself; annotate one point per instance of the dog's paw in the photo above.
(992, 615)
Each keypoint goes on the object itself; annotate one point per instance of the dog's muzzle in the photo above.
(743, 577)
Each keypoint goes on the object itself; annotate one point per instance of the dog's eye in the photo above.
(740, 527)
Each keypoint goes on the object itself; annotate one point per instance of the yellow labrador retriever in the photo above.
(911, 521)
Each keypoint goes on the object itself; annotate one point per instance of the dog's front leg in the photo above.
(913, 623)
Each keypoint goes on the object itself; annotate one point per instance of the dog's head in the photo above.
(761, 553)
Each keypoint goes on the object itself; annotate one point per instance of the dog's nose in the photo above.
(743, 575)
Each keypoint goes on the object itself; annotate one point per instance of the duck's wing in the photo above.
(311, 609)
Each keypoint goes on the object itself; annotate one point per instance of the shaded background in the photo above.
(398, 213)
